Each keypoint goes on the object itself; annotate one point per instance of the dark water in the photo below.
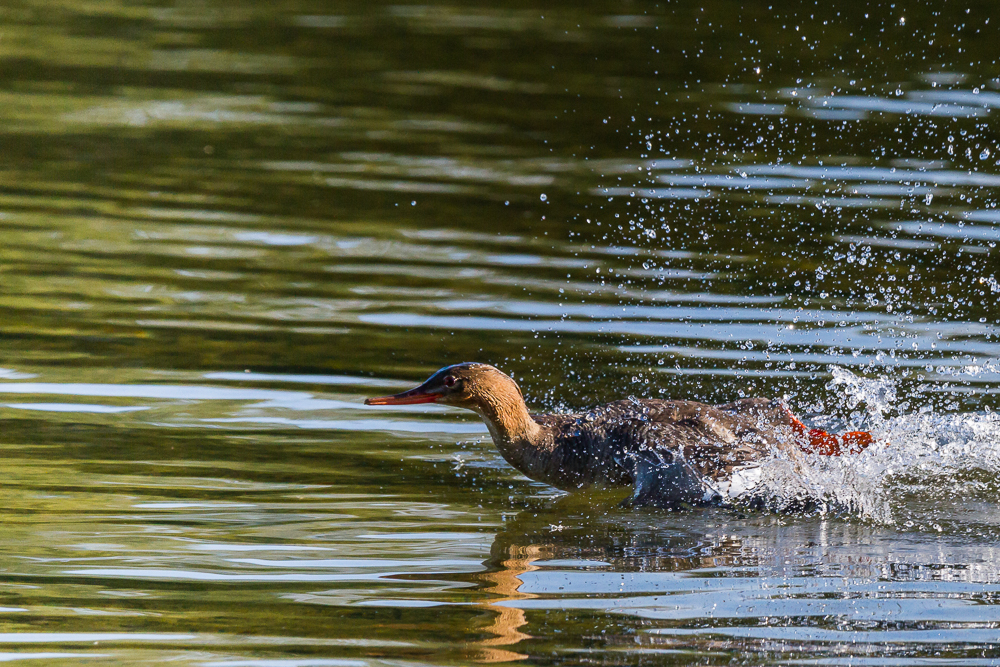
(225, 224)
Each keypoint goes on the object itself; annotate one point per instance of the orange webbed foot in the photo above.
(826, 444)
(818, 441)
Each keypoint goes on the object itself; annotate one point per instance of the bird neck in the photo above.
(514, 432)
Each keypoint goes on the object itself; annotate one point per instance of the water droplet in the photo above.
(544, 197)
(985, 154)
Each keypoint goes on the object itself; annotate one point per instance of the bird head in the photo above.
(467, 385)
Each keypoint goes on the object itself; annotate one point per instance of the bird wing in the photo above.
(714, 440)
(671, 452)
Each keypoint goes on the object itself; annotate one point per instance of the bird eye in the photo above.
(450, 381)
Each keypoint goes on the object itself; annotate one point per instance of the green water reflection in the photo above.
(224, 225)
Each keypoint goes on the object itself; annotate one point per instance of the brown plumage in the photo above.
(670, 452)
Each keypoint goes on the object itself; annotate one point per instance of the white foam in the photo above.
(928, 453)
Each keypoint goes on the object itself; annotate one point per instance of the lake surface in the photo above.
(226, 224)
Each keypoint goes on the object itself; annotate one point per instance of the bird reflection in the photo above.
(735, 558)
(621, 539)
(505, 582)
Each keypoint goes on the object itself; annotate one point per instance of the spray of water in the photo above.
(926, 454)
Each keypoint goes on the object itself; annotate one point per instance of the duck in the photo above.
(672, 453)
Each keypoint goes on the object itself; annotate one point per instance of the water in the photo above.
(224, 225)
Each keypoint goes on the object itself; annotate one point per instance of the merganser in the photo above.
(672, 453)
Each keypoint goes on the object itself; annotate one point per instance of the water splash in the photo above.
(943, 459)
(876, 395)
